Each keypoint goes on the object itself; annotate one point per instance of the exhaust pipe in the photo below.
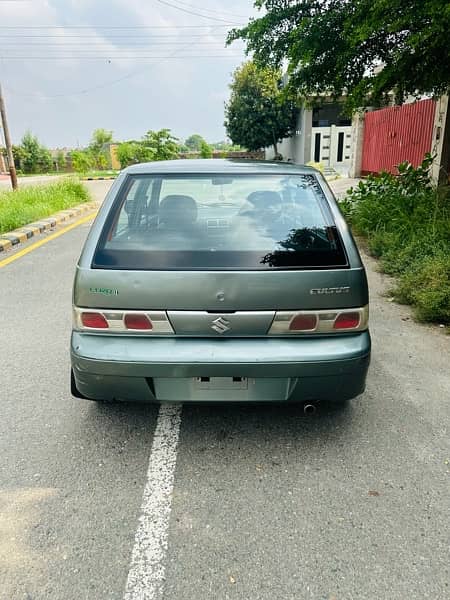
(309, 409)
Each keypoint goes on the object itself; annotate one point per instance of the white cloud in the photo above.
(124, 92)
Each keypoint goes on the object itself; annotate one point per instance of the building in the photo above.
(324, 135)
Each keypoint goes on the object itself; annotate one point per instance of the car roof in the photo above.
(219, 166)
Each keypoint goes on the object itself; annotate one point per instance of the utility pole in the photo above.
(12, 168)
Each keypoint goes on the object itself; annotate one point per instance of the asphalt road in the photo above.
(267, 504)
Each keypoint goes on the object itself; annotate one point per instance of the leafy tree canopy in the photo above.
(224, 146)
(82, 161)
(155, 145)
(258, 113)
(194, 142)
(130, 153)
(100, 137)
(206, 151)
(366, 48)
(31, 156)
(164, 145)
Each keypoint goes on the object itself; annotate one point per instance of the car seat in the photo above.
(177, 212)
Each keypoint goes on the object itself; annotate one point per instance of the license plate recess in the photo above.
(221, 383)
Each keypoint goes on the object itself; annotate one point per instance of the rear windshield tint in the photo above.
(220, 222)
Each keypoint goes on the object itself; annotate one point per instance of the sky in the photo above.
(68, 67)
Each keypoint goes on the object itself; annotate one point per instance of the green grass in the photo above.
(32, 203)
(406, 221)
(47, 174)
(97, 174)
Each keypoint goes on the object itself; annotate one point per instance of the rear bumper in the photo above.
(109, 367)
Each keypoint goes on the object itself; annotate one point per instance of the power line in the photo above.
(211, 10)
(101, 43)
(197, 14)
(19, 38)
(104, 47)
(118, 57)
(113, 82)
(72, 27)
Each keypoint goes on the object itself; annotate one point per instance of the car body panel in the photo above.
(220, 290)
(326, 363)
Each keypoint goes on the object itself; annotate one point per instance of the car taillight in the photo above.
(347, 320)
(304, 322)
(311, 322)
(94, 320)
(137, 321)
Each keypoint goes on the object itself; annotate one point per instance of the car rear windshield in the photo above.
(220, 222)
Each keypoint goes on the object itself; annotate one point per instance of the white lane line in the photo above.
(147, 570)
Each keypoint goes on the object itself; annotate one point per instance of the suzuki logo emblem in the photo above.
(221, 325)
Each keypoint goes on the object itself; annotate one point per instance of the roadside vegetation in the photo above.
(406, 221)
(97, 159)
(162, 145)
(30, 204)
(95, 156)
(31, 157)
(109, 173)
(259, 114)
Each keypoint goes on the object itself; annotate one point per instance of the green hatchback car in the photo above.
(220, 280)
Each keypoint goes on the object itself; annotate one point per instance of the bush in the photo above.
(407, 223)
(82, 161)
(427, 287)
(31, 157)
(206, 150)
(129, 153)
(30, 204)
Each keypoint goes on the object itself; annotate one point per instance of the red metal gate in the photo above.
(393, 135)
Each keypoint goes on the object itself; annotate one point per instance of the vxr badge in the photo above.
(221, 325)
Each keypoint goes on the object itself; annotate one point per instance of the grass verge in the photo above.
(406, 221)
(99, 174)
(36, 202)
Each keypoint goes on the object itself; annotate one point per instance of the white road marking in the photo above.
(147, 570)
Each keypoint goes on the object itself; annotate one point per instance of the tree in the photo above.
(31, 156)
(258, 113)
(82, 161)
(45, 160)
(226, 147)
(206, 150)
(99, 138)
(164, 145)
(194, 142)
(18, 155)
(30, 153)
(368, 49)
(60, 160)
(155, 145)
(130, 153)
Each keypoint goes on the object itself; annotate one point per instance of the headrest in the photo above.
(176, 210)
(264, 199)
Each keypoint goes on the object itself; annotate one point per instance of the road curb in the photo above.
(98, 178)
(22, 234)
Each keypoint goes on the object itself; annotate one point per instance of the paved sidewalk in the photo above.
(340, 186)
